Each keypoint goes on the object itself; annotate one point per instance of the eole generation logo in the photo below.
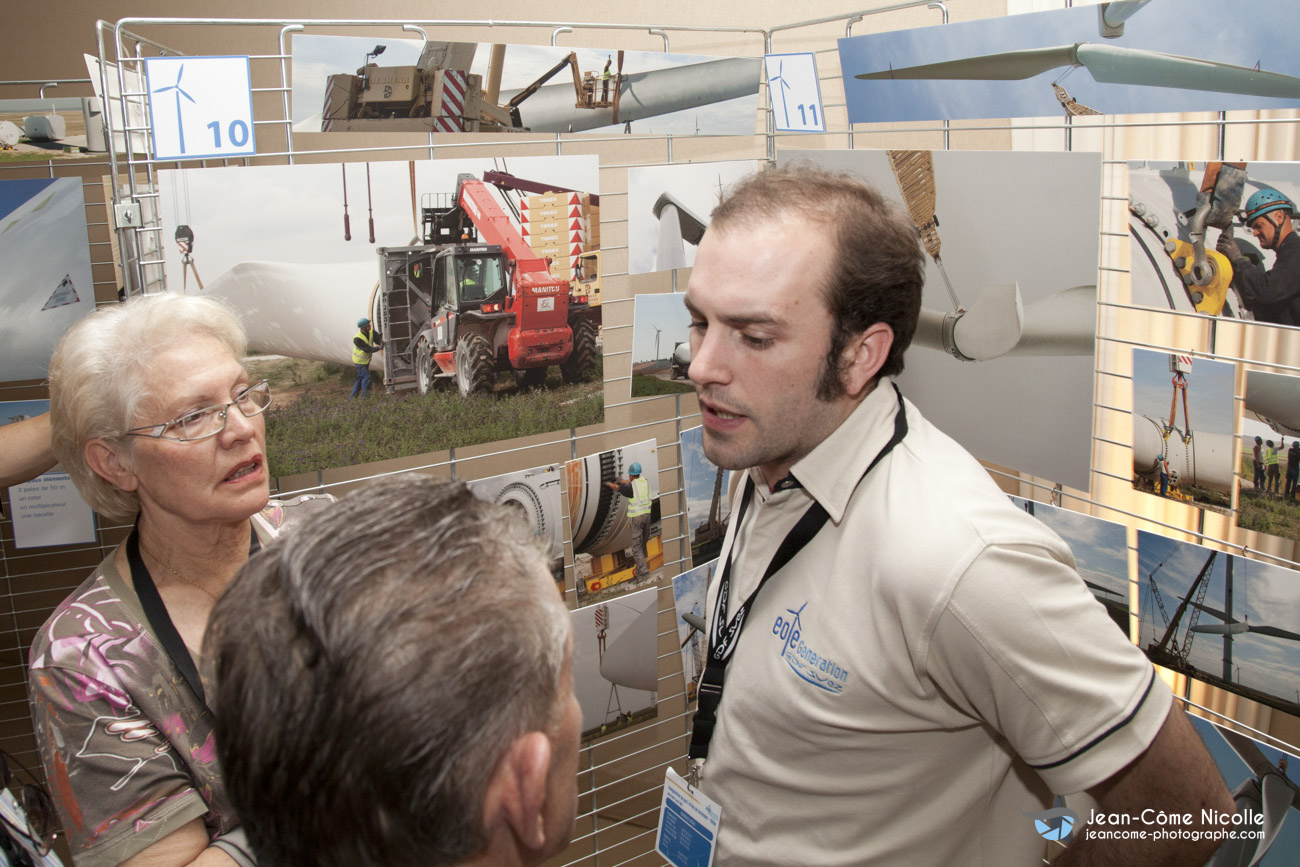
(1057, 823)
(803, 660)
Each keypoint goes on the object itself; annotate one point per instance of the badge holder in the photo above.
(688, 824)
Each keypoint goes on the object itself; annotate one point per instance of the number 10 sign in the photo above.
(794, 93)
(200, 107)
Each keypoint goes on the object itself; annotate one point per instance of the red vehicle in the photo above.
(475, 300)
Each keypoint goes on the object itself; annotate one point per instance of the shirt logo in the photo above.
(810, 665)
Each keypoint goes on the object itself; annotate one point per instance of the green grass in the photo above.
(323, 429)
(313, 426)
(645, 386)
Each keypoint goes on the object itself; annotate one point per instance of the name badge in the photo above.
(688, 824)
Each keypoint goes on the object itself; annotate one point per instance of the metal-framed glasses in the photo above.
(209, 421)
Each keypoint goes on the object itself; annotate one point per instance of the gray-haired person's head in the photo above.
(373, 665)
(99, 377)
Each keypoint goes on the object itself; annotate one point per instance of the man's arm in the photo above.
(1258, 286)
(1175, 774)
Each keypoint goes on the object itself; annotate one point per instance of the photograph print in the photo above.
(1183, 428)
(661, 345)
(364, 84)
(617, 540)
(1225, 620)
(616, 662)
(1111, 58)
(394, 305)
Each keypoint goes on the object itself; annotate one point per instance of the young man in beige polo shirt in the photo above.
(925, 666)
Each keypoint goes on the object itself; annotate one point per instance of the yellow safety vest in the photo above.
(1270, 457)
(640, 503)
(360, 356)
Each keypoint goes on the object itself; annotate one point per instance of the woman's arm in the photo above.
(25, 450)
(189, 847)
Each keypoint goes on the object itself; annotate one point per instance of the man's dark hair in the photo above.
(879, 269)
(372, 667)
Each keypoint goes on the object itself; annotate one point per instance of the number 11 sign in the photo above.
(200, 107)
(794, 92)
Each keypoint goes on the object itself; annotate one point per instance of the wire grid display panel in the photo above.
(621, 775)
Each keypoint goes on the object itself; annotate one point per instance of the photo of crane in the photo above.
(1183, 420)
(616, 662)
(661, 348)
(480, 303)
(1268, 481)
(1265, 792)
(364, 84)
(45, 285)
(708, 497)
(1176, 263)
(1112, 58)
(1003, 357)
(536, 494)
(689, 589)
(617, 539)
(1100, 551)
(1226, 620)
(668, 209)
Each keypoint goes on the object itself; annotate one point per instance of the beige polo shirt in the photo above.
(927, 668)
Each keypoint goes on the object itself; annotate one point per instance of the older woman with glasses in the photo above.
(156, 421)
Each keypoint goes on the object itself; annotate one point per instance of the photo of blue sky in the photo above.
(1237, 774)
(1251, 35)
(1262, 595)
(1100, 549)
(1209, 389)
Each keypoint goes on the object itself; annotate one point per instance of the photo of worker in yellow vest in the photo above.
(365, 343)
(614, 516)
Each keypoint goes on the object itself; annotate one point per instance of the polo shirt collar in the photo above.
(831, 471)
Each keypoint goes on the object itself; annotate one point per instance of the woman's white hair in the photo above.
(98, 377)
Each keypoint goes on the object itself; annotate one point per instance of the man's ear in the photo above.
(516, 793)
(106, 460)
(864, 356)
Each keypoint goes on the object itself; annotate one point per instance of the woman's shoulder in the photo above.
(97, 619)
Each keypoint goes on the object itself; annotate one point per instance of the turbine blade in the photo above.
(1101, 589)
(1277, 801)
(1275, 632)
(186, 95)
(1223, 629)
(1004, 66)
(1114, 65)
(1222, 615)
(1246, 748)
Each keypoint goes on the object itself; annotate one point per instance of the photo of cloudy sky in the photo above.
(1255, 36)
(1262, 607)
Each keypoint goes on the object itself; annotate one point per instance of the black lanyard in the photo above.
(722, 642)
(156, 612)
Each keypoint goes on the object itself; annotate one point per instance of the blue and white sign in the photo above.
(200, 107)
(794, 92)
(688, 824)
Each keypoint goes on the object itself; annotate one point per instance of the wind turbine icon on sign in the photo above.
(785, 87)
(180, 126)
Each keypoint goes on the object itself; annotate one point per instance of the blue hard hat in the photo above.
(363, 322)
(635, 469)
(1263, 202)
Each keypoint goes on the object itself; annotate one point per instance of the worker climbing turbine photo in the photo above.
(1183, 428)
